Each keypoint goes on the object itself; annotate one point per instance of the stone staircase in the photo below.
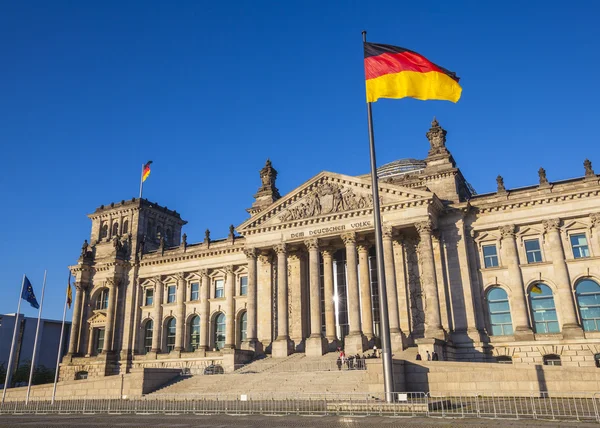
(288, 377)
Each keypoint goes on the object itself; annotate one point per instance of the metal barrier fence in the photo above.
(575, 407)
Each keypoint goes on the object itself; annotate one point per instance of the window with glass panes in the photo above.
(99, 340)
(552, 360)
(149, 296)
(243, 326)
(490, 256)
(243, 285)
(171, 329)
(171, 290)
(499, 310)
(533, 251)
(219, 288)
(543, 310)
(102, 301)
(219, 337)
(588, 301)
(195, 291)
(148, 329)
(579, 245)
(195, 332)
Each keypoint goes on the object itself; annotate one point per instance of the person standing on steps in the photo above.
(428, 356)
(339, 363)
(434, 356)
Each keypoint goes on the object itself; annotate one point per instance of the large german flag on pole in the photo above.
(394, 72)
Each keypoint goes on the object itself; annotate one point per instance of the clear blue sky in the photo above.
(208, 90)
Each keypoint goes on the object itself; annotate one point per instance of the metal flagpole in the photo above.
(60, 343)
(386, 352)
(142, 181)
(35, 342)
(12, 346)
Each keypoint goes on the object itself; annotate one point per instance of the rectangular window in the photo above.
(149, 296)
(243, 285)
(99, 340)
(490, 256)
(219, 288)
(171, 294)
(195, 291)
(533, 251)
(580, 246)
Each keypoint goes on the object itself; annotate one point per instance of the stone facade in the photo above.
(493, 277)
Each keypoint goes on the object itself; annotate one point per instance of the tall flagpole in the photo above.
(35, 342)
(12, 345)
(388, 373)
(142, 181)
(60, 343)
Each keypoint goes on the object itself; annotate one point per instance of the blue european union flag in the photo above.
(29, 295)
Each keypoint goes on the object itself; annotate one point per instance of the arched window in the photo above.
(171, 334)
(543, 311)
(104, 231)
(243, 326)
(195, 333)
(499, 309)
(552, 360)
(126, 226)
(115, 229)
(148, 329)
(102, 299)
(504, 359)
(588, 301)
(219, 335)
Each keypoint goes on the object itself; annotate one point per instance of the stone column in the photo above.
(180, 313)
(90, 344)
(251, 343)
(281, 345)
(76, 324)
(355, 341)
(159, 290)
(518, 303)
(570, 327)
(330, 334)
(204, 295)
(110, 315)
(433, 326)
(365, 292)
(265, 314)
(315, 344)
(229, 308)
(392, 292)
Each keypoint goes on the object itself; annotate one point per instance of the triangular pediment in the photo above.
(330, 195)
(98, 319)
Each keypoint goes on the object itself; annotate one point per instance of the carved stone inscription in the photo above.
(327, 198)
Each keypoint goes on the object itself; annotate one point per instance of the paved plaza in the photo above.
(223, 421)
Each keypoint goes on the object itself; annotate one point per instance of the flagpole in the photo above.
(60, 343)
(388, 373)
(35, 342)
(12, 346)
(142, 181)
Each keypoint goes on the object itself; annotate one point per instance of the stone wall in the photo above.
(504, 379)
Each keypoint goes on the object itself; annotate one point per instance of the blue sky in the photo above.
(208, 90)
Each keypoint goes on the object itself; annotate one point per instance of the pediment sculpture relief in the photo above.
(327, 198)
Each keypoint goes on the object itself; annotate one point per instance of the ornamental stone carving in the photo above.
(387, 231)
(507, 231)
(587, 165)
(349, 238)
(280, 248)
(250, 253)
(424, 227)
(327, 252)
(595, 219)
(312, 244)
(542, 175)
(179, 276)
(500, 183)
(363, 247)
(203, 272)
(158, 279)
(265, 258)
(229, 269)
(327, 198)
(437, 138)
(551, 224)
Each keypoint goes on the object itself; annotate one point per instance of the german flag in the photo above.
(146, 171)
(394, 72)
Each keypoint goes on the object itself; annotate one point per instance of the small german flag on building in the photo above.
(394, 72)
(146, 171)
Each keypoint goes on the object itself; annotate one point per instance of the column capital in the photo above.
(363, 247)
(180, 276)
(387, 231)
(280, 248)
(251, 253)
(327, 252)
(112, 282)
(424, 227)
(265, 257)
(551, 224)
(348, 238)
(158, 279)
(312, 244)
(507, 231)
(595, 219)
(203, 272)
(229, 269)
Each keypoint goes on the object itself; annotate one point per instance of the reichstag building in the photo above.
(509, 276)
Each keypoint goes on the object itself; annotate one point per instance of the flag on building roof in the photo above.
(394, 72)
(69, 292)
(28, 295)
(536, 289)
(146, 171)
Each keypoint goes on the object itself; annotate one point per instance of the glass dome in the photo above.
(400, 167)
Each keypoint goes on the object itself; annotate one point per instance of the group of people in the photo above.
(354, 362)
(430, 357)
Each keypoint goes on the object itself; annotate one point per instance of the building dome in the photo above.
(400, 167)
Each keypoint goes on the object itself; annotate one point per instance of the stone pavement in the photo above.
(185, 421)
